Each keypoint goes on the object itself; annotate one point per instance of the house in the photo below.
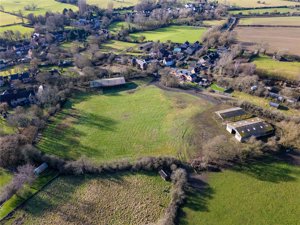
(276, 96)
(177, 50)
(164, 175)
(17, 97)
(37, 171)
(232, 114)
(184, 75)
(109, 82)
(253, 127)
(142, 64)
(146, 46)
(168, 62)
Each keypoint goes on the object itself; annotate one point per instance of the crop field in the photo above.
(42, 6)
(6, 19)
(255, 3)
(287, 70)
(123, 123)
(22, 29)
(278, 21)
(264, 103)
(177, 34)
(279, 39)
(262, 11)
(260, 193)
(115, 3)
(120, 199)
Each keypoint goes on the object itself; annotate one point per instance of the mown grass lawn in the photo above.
(123, 124)
(261, 193)
(177, 34)
(255, 3)
(120, 199)
(286, 70)
(262, 11)
(278, 21)
(42, 6)
(20, 28)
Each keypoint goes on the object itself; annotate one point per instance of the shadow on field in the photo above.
(198, 195)
(270, 170)
(114, 91)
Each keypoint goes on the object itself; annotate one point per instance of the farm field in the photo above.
(263, 102)
(213, 22)
(42, 6)
(278, 21)
(279, 39)
(177, 34)
(119, 199)
(118, 46)
(116, 3)
(145, 121)
(287, 70)
(118, 26)
(262, 11)
(6, 19)
(260, 193)
(255, 3)
(22, 29)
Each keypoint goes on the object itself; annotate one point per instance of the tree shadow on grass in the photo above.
(114, 91)
(269, 169)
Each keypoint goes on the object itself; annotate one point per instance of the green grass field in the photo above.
(145, 121)
(118, 26)
(22, 29)
(118, 46)
(255, 3)
(287, 70)
(4, 128)
(213, 22)
(42, 6)
(5, 177)
(279, 21)
(262, 193)
(177, 34)
(119, 199)
(14, 69)
(6, 19)
(116, 3)
(262, 11)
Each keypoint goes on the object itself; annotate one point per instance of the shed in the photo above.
(164, 175)
(235, 113)
(40, 169)
(274, 104)
(110, 82)
(245, 129)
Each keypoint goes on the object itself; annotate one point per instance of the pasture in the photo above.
(20, 28)
(280, 39)
(115, 3)
(259, 193)
(117, 46)
(120, 199)
(6, 19)
(213, 22)
(176, 34)
(124, 123)
(263, 11)
(255, 3)
(5, 177)
(273, 21)
(42, 6)
(286, 70)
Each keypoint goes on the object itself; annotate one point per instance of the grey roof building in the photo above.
(110, 82)
(234, 114)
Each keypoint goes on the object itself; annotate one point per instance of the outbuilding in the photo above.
(110, 82)
(232, 114)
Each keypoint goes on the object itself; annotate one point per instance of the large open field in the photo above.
(6, 19)
(42, 6)
(177, 34)
(278, 21)
(116, 3)
(123, 124)
(262, 193)
(279, 39)
(262, 11)
(120, 199)
(255, 3)
(287, 70)
(22, 29)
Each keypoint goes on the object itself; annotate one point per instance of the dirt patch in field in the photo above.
(278, 39)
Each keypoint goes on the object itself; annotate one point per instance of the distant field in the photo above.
(118, 26)
(279, 39)
(279, 21)
(123, 124)
(22, 29)
(117, 45)
(255, 3)
(213, 22)
(12, 70)
(178, 34)
(262, 11)
(264, 103)
(6, 19)
(5, 177)
(120, 199)
(255, 194)
(42, 6)
(116, 3)
(287, 70)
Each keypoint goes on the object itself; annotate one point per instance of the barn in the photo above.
(233, 114)
(253, 127)
(109, 82)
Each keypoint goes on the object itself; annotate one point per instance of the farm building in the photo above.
(37, 171)
(245, 129)
(110, 82)
(233, 114)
